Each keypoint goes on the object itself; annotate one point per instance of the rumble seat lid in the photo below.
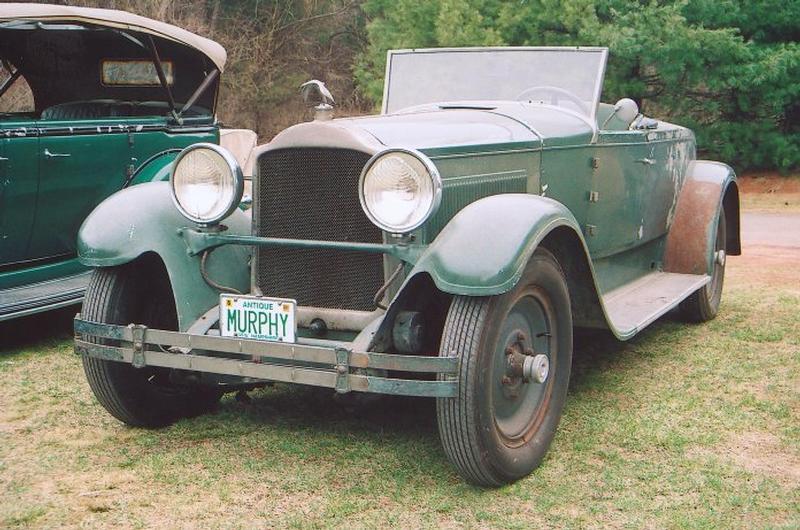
(114, 19)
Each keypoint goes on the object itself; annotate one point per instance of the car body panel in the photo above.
(19, 184)
(485, 246)
(143, 219)
(703, 196)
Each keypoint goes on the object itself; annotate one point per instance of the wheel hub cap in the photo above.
(536, 368)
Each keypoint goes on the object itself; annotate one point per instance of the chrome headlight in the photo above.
(400, 190)
(207, 183)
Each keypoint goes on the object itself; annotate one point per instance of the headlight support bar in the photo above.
(198, 241)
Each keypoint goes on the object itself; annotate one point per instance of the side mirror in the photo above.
(626, 110)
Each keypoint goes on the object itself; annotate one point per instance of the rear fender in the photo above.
(709, 188)
(142, 219)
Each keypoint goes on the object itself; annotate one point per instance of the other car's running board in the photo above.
(43, 296)
(635, 305)
(336, 367)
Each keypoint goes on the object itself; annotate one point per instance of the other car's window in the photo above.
(566, 77)
(17, 97)
(135, 73)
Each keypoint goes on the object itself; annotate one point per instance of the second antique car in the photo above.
(91, 101)
(445, 248)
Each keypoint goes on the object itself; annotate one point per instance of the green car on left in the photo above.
(108, 100)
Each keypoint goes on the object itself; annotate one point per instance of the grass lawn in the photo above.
(684, 426)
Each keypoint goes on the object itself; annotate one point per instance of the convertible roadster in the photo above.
(446, 248)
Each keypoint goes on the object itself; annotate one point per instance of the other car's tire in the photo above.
(499, 427)
(703, 304)
(141, 397)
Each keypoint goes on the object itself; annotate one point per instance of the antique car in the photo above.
(91, 101)
(445, 248)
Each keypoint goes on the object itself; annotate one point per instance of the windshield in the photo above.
(566, 77)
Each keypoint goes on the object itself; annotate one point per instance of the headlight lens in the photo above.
(400, 190)
(207, 183)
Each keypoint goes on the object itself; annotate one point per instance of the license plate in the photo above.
(255, 317)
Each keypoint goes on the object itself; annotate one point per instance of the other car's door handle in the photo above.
(646, 161)
(3, 159)
(48, 154)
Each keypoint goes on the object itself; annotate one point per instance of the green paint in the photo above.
(509, 177)
(54, 173)
(143, 219)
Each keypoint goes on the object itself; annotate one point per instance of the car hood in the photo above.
(460, 126)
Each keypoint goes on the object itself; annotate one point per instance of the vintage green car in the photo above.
(446, 248)
(102, 100)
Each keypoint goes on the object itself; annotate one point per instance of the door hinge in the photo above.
(594, 162)
(591, 230)
(594, 196)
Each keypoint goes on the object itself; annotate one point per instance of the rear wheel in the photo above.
(145, 397)
(703, 304)
(515, 351)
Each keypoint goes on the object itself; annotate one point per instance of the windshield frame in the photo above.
(598, 88)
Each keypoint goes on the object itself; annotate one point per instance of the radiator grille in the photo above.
(312, 193)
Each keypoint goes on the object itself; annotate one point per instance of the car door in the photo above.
(19, 181)
(620, 186)
(80, 165)
(670, 149)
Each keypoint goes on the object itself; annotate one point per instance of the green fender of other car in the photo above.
(143, 219)
(157, 168)
(483, 250)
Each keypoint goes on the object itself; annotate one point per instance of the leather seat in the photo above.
(110, 108)
(87, 110)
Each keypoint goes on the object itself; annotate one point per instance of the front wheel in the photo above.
(141, 397)
(515, 351)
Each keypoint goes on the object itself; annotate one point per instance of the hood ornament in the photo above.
(315, 93)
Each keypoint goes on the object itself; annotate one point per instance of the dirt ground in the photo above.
(769, 191)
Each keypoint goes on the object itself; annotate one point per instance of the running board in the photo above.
(633, 306)
(43, 296)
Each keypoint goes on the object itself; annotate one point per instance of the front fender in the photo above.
(709, 187)
(143, 219)
(483, 250)
(156, 168)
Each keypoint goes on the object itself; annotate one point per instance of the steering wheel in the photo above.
(555, 93)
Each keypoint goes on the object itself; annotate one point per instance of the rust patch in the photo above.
(690, 236)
